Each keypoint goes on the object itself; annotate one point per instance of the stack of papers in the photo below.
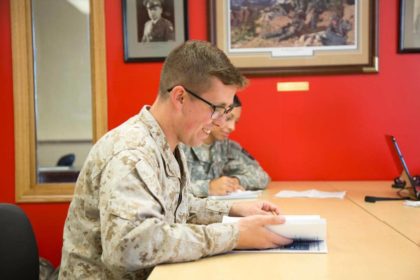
(310, 193)
(237, 195)
(308, 231)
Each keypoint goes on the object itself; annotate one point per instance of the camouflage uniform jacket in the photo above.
(132, 209)
(227, 158)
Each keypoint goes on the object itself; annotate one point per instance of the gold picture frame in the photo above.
(262, 38)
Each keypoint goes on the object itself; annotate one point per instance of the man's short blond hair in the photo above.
(194, 63)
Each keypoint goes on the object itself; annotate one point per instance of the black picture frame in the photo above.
(135, 16)
(276, 59)
(409, 26)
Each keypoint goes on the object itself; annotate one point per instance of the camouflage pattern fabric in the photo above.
(132, 209)
(227, 158)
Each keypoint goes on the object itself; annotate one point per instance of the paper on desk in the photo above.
(237, 195)
(412, 203)
(311, 194)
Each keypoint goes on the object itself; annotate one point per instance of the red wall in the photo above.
(335, 131)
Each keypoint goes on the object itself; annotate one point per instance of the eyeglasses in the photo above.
(218, 110)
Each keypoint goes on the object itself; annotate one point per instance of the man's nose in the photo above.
(231, 125)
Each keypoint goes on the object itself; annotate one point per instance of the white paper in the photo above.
(306, 227)
(310, 194)
(412, 203)
(237, 195)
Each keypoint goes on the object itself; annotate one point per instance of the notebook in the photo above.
(400, 162)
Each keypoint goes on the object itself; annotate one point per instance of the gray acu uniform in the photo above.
(226, 158)
(132, 209)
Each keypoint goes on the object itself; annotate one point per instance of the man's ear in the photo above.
(177, 96)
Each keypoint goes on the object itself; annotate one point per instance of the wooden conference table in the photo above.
(365, 240)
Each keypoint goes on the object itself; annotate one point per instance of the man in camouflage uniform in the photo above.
(132, 208)
(157, 29)
(220, 165)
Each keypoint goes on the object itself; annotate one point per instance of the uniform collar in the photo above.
(199, 151)
(171, 164)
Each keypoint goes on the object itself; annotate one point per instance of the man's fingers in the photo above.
(270, 220)
(229, 188)
(274, 220)
(278, 240)
(274, 238)
(237, 187)
(232, 181)
(267, 206)
(273, 212)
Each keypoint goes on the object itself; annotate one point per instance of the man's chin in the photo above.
(222, 137)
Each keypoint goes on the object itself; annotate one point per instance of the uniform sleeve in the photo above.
(206, 211)
(244, 167)
(200, 188)
(134, 232)
(199, 184)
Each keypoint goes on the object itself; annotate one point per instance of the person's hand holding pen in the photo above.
(224, 185)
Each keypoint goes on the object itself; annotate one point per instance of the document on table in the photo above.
(309, 233)
(237, 195)
(310, 193)
(412, 203)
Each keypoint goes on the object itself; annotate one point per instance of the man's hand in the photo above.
(248, 208)
(224, 185)
(253, 233)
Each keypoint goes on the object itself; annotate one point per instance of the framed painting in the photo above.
(296, 37)
(409, 28)
(152, 28)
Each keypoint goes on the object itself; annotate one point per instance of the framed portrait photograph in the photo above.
(409, 29)
(152, 28)
(293, 37)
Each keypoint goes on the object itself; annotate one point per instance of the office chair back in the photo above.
(18, 248)
(66, 160)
